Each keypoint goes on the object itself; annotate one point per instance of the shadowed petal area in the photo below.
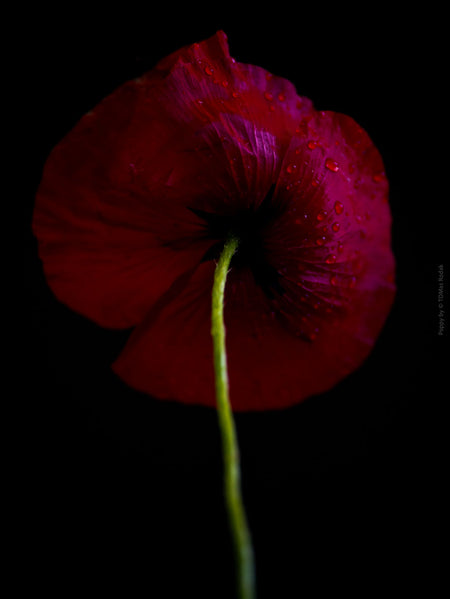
(169, 355)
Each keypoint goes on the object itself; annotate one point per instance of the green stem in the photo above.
(232, 476)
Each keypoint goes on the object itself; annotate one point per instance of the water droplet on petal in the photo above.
(322, 214)
(340, 248)
(336, 227)
(268, 96)
(312, 144)
(314, 182)
(352, 282)
(235, 95)
(225, 83)
(338, 207)
(281, 97)
(378, 177)
(272, 108)
(209, 70)
(331, 259)
(290, 168)
(334, 280)
(320, 240)
(199, 101)
(332, 165)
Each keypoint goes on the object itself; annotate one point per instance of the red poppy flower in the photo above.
(136, 201)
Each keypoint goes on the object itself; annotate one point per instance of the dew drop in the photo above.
(225, 83)
(281, 97)
(331, 259)
(378, 177)
(209, 70)
(199, 101)
(320, 240)
(340, 248)
(269, 76)
(272, 108)
(314, 182)
(352, 282)
(235, 95)
(312, 144)
(331, 165)
(336, 227)
(338, 207)
(334, 280)
(268, 96)
(322, 214)
(290, 168)
(324, 228)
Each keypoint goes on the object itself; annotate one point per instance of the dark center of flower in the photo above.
(248, 226)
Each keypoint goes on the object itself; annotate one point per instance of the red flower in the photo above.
(136, 201)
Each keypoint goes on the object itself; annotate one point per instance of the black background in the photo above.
(342, 490)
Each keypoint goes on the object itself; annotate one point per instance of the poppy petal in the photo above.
(336, 294)
(169, 355)
(194, 133)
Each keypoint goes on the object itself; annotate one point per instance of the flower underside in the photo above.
(137, 202)
(248, 226)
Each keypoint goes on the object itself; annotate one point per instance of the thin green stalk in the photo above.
(232, 476)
